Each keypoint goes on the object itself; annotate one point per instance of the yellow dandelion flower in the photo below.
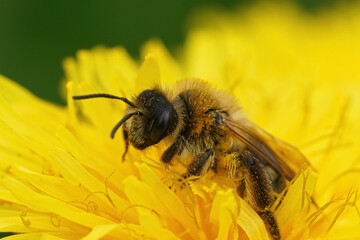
(62, 176)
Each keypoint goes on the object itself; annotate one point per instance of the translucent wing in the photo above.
(284, 158)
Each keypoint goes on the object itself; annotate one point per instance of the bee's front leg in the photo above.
(126, 140)
(258, 190)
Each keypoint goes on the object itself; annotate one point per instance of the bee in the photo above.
(209, 126)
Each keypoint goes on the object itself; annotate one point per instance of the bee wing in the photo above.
(284, 158)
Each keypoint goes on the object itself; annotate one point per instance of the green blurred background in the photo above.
(35, 36)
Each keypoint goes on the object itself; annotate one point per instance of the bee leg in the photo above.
(126, 140)
(176, 147)
(258, 190)
(241, 188)
(201, 164)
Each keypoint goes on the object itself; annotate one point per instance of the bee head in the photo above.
(152, 117)
(156, 120)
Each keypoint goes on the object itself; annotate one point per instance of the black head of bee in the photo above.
(153, 117)
(156, 120)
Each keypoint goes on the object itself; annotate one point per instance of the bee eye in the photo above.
(159, 126)
(160, 117)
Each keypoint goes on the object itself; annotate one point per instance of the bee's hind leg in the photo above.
(258, 190)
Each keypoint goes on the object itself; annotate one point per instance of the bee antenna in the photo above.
(103, 95)
(126, 117)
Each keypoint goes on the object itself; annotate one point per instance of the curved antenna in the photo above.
(126, 117)
(103, 95)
